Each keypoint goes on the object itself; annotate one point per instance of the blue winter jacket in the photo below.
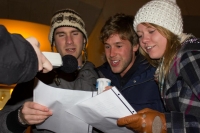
(141, 91)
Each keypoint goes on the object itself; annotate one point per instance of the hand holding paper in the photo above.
(73, 110)
(103, 110)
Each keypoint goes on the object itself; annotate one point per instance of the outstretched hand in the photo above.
(146, 120)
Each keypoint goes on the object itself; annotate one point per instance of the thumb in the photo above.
(127, 120)
(145, 110)
(46, 65)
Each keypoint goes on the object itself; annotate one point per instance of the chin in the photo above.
(155, 57)
(115, 71)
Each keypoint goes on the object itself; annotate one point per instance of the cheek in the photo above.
(58, 47)
(142, 47)
(163, 45)
(107, 53)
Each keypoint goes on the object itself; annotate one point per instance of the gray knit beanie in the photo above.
(67, 18)
(165, 13)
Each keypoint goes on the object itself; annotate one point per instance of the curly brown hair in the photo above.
(119, 24)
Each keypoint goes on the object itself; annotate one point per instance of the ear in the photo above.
(84, 43)
(54, 44)
(135, 47)
(53, 47)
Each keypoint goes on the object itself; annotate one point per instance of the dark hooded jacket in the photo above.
(137, 85)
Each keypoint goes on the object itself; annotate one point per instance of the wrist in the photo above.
(20, 116)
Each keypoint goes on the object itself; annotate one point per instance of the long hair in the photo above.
(173, 45)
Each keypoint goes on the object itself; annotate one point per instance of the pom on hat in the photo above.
(67, 18)
(164, 13)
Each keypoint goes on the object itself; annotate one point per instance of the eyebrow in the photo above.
(116, 43)
(59, 32)
(63, 32)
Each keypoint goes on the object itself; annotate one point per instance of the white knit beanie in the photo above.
(165, 13)
(67, 18)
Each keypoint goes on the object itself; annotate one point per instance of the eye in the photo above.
(151, 31)
(119, 46)
(61, 34)
(106, 46)
(139, 35)
(75, 33)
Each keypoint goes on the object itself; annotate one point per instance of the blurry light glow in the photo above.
(27, 29)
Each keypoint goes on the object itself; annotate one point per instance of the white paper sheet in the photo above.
(103, 110)
(58, 100)
(73, 109)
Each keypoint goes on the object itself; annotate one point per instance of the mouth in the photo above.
(70, 50)
(148, 48)
(114, 63)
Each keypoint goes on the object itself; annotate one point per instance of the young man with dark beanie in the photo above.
(69, 37)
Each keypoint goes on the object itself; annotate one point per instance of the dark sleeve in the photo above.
(190, 70)
(9, 114)
(13, 123)
(178, 122)
(18, 60)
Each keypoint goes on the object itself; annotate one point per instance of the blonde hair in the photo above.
(173, 45)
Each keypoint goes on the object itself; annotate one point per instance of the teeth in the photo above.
(70, 49)
(149, 47)
(114, 62)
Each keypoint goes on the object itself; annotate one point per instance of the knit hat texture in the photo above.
(165, 13)
(67, 18)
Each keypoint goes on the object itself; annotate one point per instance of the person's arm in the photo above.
(15, 116)
(9, 119)
(19, 61)
(175, 121)
(180, 122)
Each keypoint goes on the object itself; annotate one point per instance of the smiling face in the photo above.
(69, 41)
(120, 54)
(151, 41)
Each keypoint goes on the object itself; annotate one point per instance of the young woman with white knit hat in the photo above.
(176, 55)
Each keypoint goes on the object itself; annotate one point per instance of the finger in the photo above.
(33, 41)
(35, 119)
(46, 65)
(128, 119)
(36, 106)
(107, 88)
(29, 111)
(40, 63)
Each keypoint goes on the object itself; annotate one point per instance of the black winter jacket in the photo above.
(139, 87)
(18, 60)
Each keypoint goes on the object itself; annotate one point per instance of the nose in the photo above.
(69, 39)
(112, 52)
(144, 39)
